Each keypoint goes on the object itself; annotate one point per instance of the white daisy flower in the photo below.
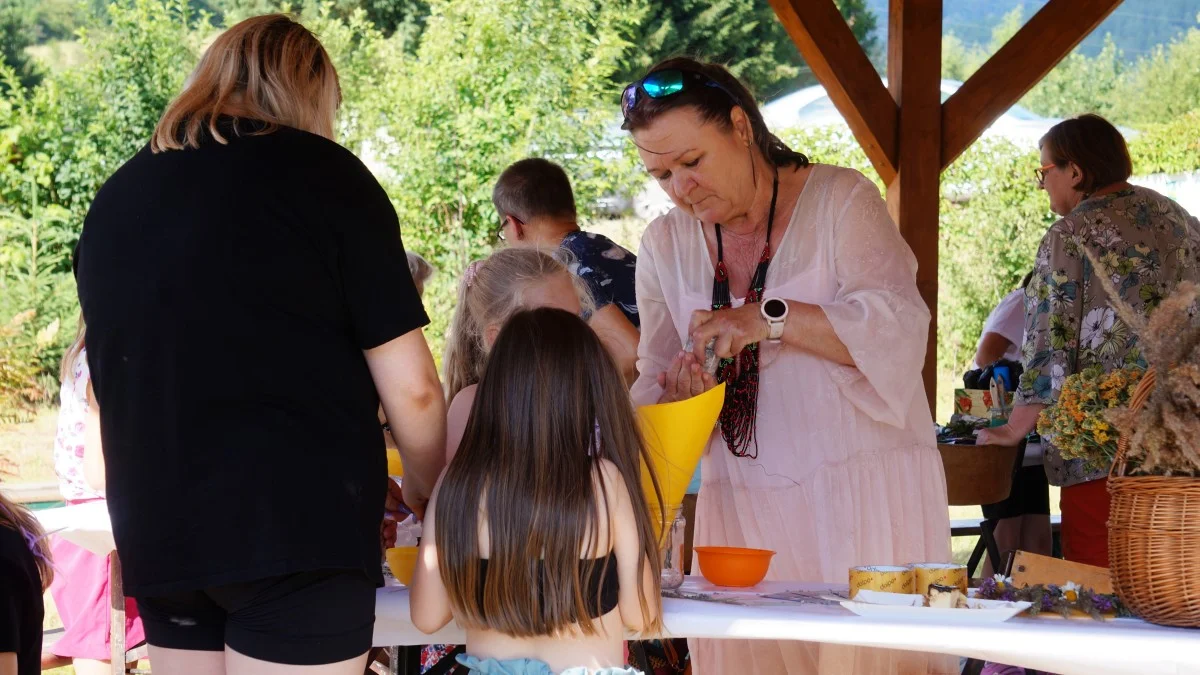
(1096, 324)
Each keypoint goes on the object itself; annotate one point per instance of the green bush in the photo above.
(60, 141)
(1173, 147)
(495, 81)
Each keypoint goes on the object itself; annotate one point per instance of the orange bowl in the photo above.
(402, 560)
(733, 566)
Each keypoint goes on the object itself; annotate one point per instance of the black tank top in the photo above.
(603, 583)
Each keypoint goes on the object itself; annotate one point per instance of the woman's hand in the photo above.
(683, 379)
(1021, 422)
(732, 328)
(394, 511)
(1002, 435)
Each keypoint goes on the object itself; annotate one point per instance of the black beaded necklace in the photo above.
(740, 373)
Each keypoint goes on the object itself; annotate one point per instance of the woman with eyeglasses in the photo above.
(1147, 245)
(796, 281)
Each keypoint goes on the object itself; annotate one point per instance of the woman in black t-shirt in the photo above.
(250, 306)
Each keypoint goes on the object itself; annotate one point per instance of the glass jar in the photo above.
(672, 570)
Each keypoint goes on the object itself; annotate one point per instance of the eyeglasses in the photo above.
(664, 84)
(1039, 174)
(503, 224)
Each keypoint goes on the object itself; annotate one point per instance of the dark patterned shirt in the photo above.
(607, 269)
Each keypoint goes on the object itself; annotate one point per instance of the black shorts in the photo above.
(1030, 496)
(302, 619)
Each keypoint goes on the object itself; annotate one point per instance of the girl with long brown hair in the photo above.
(490, 291)
(538, 539)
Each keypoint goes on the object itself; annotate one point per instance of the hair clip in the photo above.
(471, 272)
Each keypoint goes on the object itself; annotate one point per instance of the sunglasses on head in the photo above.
(664, 84)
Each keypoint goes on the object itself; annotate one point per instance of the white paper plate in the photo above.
(983, 612)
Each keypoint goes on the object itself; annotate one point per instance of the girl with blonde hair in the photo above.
(250, 307)
(492, 290)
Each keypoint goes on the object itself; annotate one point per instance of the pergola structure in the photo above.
(908, 133)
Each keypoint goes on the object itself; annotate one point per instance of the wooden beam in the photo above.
(839, 63)
(914, 78)
(1013, 70)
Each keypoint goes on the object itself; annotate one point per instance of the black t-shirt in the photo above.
(21, 611)
(229, 293)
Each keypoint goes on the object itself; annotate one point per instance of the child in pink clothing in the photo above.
(80, 587)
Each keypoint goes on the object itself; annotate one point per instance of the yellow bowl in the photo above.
(395, 468)
(733, 566)
(402, 560)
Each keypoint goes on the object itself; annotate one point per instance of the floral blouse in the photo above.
(1146, 244)
(68, 441)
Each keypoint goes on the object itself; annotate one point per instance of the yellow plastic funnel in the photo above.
(676, 435)
(395, 468)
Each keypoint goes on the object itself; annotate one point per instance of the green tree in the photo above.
(60, 141)
(495, 81)
(961, 59)
(1163, 85)
(743, 34)
(1080, 84)
(16, 33)
(992, 218)
(387, 16)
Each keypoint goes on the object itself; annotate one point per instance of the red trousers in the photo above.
(1085, 523)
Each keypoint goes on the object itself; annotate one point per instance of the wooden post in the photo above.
(841, 66)
(1013, 70)
(914, 78)
(116, 614)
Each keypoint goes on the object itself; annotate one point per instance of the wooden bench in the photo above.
(970, 527)
(30, 493)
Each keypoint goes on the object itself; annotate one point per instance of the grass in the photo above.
(30, 446)
(961, 547)
(58, 56)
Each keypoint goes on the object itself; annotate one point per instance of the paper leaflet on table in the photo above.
(408, 531)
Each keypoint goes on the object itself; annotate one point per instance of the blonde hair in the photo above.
(22, 520)
(490, 292)
(72, 353)
(420, 269)
(267, 68)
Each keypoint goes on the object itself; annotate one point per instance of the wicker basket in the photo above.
(1154, 538)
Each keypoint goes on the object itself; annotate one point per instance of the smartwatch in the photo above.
(775, 311)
